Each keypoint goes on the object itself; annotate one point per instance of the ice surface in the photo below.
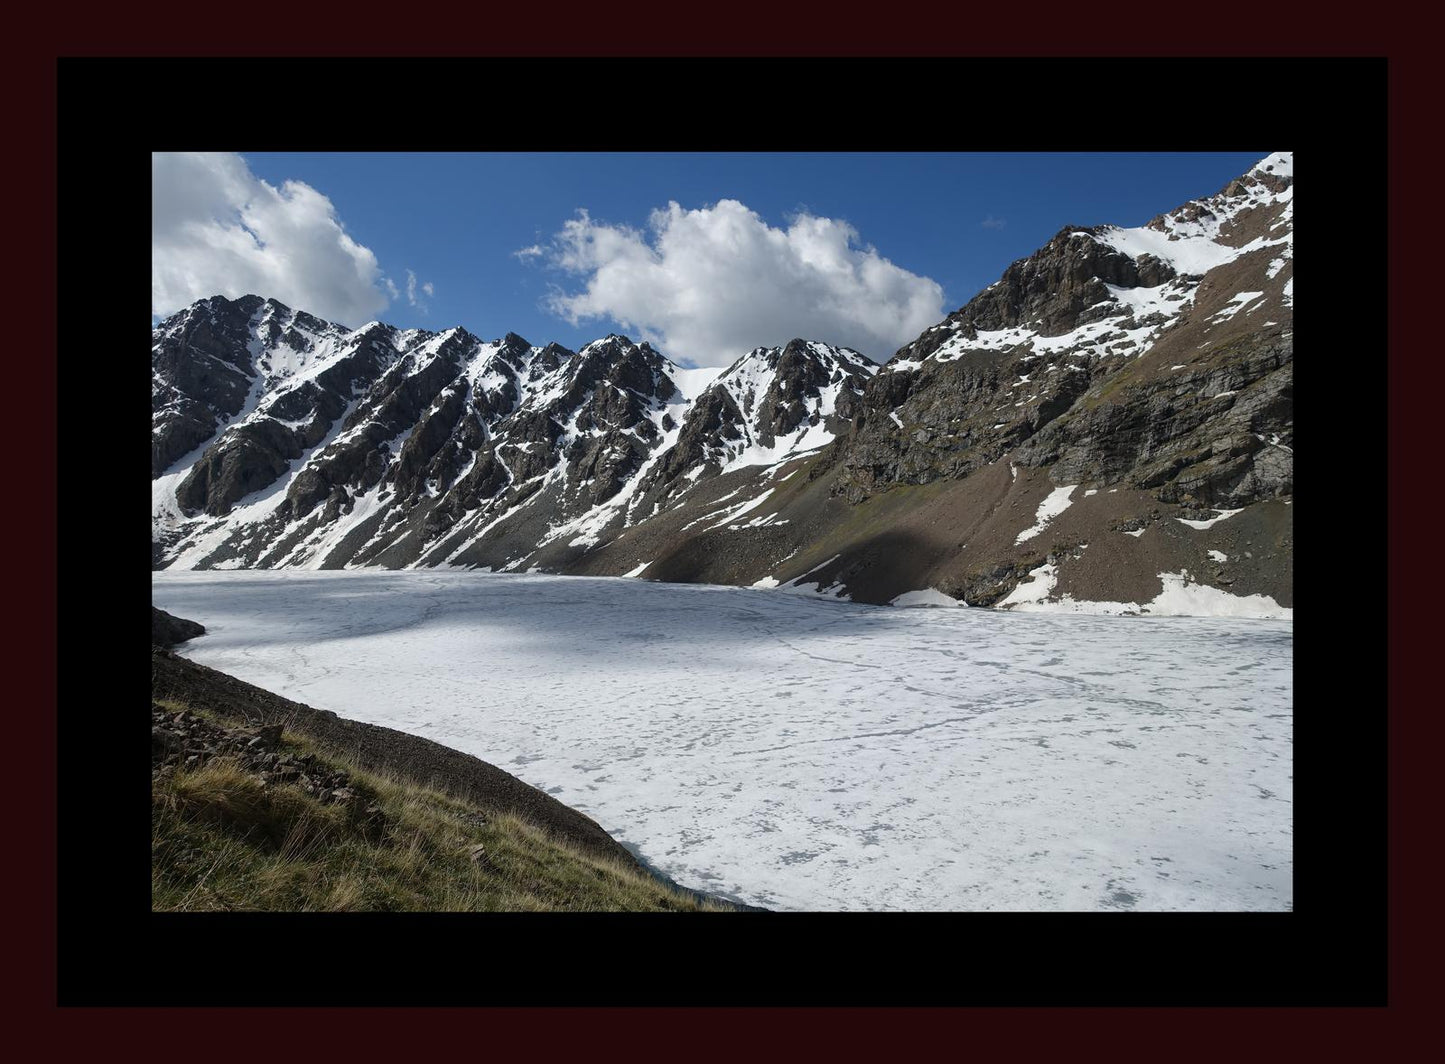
(803, 753)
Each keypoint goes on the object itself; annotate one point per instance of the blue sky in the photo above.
(761, 247)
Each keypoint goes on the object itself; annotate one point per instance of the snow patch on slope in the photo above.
(1055, 503)
(1222, 515)
(927, 597)
(1180, 597)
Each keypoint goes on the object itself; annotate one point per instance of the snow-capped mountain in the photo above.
(321, 446)
(1108, 426)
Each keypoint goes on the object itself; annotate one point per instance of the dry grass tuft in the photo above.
(221, 840)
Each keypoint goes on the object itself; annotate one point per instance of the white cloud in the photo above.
(216, 228)
(411, 287)
(993, 223)
(711, 284)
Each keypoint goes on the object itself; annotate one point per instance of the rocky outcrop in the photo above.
(1055, 289)
(213, 360)
(951, 418)
(199, 375)
(168, 630)
(182, 740)
(765, 401)
(1216, 433)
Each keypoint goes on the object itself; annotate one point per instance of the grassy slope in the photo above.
(220, 841)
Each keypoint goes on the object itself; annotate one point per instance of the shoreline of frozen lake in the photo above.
(803, 754)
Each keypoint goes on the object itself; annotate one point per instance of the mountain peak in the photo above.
(1149, 366)
(1279, 164)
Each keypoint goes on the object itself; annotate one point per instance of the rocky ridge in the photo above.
(1063, 359)
(1074, 434)
(387, 447)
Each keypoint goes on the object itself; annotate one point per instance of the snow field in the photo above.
(807, 754)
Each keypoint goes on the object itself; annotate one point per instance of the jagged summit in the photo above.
(1107, 290)
(350, 433)
(1073, 433)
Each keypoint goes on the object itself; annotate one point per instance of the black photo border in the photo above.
(1331, 950)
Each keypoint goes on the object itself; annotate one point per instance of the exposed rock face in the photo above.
(1217, 433)
(168, 630)
(209, 362)
(769, 403)
(1054, 289)
(1108, 367)
(439, 437)
(1153, 366)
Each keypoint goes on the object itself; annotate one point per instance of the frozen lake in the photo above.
(799, 753)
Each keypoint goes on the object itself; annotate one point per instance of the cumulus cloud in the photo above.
(710, 284)
(216, 228)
